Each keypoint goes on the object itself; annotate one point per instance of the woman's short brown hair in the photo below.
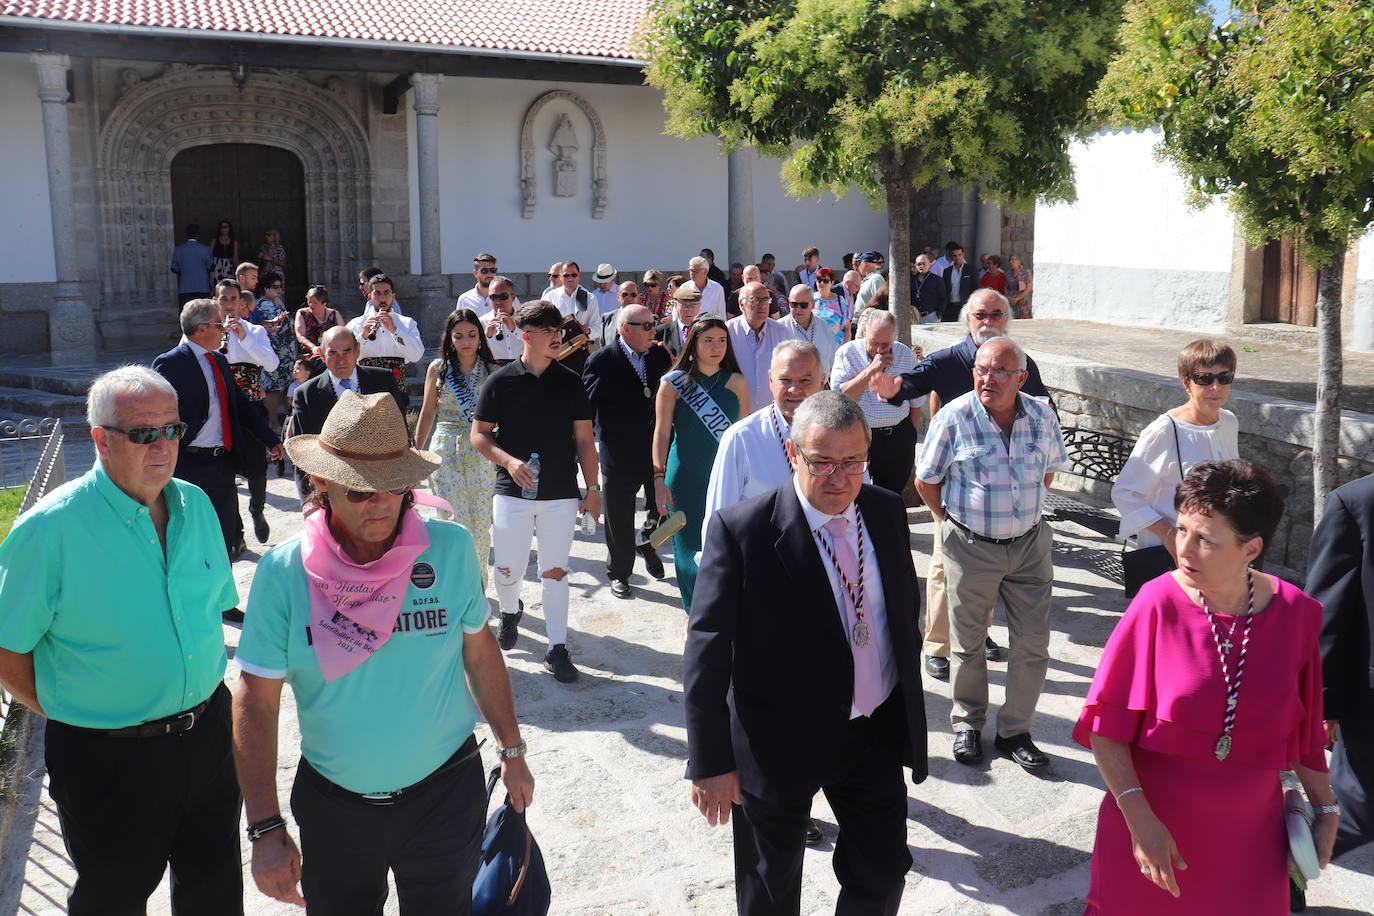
(1205, 352)
(1239, 491)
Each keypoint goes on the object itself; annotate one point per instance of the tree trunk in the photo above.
(898, 182)
(1326, 439)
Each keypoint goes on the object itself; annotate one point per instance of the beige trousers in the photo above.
(977, 574)
(937, 604)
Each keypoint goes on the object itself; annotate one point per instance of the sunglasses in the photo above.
(651, 285)
(569, 276)
(800, 305)
(629, 295)
(486, 270)
(553, 276)
(147, 435)
(1205, 379)
(362, 496)
(499, 297)
(645, 325)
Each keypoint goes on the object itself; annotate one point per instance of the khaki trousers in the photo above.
(977, 574)
(937, 604)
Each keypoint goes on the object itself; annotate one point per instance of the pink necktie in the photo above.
(868, 675)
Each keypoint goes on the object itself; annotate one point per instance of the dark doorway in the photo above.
(1289, 292)
(254, 187)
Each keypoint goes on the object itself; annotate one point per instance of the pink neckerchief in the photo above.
(354, 606)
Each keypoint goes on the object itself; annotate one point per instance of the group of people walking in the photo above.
(777, 452)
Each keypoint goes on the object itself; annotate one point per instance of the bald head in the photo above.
(636, 327)
(340, 351)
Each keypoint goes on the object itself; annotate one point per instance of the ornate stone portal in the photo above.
(563, 144)
(193, 106)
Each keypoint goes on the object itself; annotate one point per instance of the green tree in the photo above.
(889, 95)
(1274, 109)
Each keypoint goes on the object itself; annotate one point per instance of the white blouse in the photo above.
(1144, 490)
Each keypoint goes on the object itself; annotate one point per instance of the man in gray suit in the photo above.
(686, 307)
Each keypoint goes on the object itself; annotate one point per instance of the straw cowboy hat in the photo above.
(364, 445)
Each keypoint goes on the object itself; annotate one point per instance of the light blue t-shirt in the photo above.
(398, 716)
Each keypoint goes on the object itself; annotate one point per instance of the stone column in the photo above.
(71, 325)
(740, 225)
(989, 231)
(431, 284)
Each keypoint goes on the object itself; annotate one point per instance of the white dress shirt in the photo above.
(404, 342)
(713, 298)
(568, 305)
(510, 346)
(750, 459)
(338, 383)
(754, 351)
(256, 347)
(875, 604)
(821, 333)
(472, 299)
(211, 434)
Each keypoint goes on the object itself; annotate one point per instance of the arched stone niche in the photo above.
(188, 106)
(529, 183)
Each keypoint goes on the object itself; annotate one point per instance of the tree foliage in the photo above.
(1274, 107)
(940, 92)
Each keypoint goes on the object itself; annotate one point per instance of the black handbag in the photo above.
(1142, 564)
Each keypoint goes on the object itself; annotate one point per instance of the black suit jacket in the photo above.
(968, 285)
(624, 416)
(769, 675)
(670, 335)
(316, 398)
(181, 367)
(1340, 574)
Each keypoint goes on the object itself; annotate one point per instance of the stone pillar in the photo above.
(740, 225)
(71, 325)
(431, 284)
(988, 234)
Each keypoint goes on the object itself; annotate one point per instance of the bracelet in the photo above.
(1126, 792)
(660, 475)
(1328, 809)
(506, 753)
(258, 830)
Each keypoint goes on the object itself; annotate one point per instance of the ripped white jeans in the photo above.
(550, 522)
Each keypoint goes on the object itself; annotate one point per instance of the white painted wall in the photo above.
(784, 225)
(26, 231)
(667, 198)
(1131, 250)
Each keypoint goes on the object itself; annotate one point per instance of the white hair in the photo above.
(1007, 343)
(986, 292)
(797, 345)
(102, 401)
(868, 317)
(698, 263)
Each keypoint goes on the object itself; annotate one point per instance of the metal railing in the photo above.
(21, 739)
(23, 445)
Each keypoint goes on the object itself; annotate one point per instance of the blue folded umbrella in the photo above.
(511, 879)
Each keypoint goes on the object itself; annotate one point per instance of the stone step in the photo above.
(17, 403)
(55, 381)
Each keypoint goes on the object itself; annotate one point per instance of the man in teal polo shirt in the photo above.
(111, 590)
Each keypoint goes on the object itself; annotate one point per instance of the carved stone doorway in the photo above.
(252, 186)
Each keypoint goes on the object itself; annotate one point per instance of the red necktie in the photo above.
(226, 425)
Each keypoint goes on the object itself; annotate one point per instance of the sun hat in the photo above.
(364, 445)
(605, 273)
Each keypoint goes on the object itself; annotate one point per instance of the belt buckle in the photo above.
(382, 798)
(190, 717)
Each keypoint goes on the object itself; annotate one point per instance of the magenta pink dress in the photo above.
(1159, 687)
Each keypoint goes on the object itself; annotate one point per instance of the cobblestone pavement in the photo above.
(611, 807)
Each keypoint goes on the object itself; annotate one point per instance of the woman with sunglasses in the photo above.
(1199, 430)
(465, 478)
(376, 617)
(653, 296)
(832, 307)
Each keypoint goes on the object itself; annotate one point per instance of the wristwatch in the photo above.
(593, 488)
(506, 753)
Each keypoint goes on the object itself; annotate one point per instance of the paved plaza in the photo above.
(611, 807)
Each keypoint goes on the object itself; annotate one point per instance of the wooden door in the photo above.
(1289, 291)
(256, 188)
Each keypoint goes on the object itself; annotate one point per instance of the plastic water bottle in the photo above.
(587, 521)
(532, 491)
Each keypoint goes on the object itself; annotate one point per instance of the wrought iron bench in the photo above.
(1097, 456)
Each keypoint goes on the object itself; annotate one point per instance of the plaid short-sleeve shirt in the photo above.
(993, 485)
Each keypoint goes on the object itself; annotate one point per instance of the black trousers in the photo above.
(1352, 779)
(621, 535)
(215, 475)
(892, 455)
(251, 458)
(868, 797)
(431, 840)
(131, 806)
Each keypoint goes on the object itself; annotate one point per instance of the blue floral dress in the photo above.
(283, 343)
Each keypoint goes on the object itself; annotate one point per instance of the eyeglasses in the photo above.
(486, 270)
(989, 316)
(499, 297)
(362, 496)
(1205, 379)
(629, 295)
(644, 325)
(147, 435)
(799, 304)
(827, 468)
(1000, 374)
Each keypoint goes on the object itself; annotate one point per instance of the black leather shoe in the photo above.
(233, 615)
(653, 563)
(560, 665)
(237, 551)
(813, 833)
(992, 651)
(281, 467)
(261, 530)
(937, 667)
(508, 632)
(1022, 750)
(621, 589)
(968, 747)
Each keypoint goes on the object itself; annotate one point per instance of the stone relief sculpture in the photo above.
(565, 179)
(563, 145)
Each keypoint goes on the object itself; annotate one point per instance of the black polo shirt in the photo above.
(535, 413)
